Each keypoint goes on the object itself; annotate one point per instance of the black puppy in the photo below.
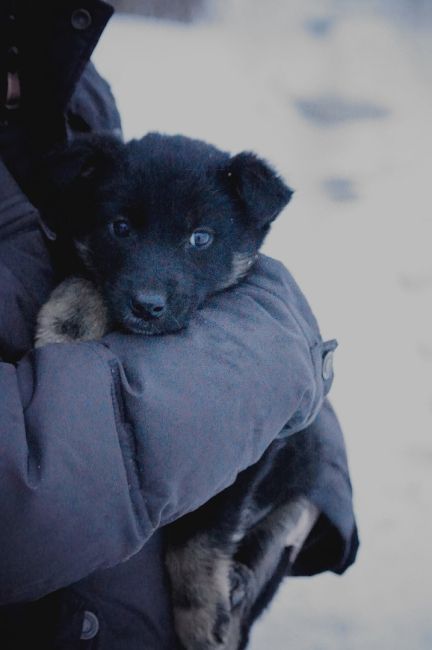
(157, 225)
(147, 231)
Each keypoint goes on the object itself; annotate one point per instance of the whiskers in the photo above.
(176, 321)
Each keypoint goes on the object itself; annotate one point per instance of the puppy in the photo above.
(173, 204)
(147, 231)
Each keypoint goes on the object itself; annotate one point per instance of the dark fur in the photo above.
(166, 187)
(226, 559)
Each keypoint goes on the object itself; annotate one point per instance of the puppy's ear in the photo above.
(84, 159)
(261, 191)
(68, 176)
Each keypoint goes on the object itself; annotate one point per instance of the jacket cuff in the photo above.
(333, 542)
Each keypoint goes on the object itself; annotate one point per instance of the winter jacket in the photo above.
(103, 443)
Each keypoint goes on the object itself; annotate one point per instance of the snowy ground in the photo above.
(340, 100)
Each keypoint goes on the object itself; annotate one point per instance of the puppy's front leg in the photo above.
(75, 311)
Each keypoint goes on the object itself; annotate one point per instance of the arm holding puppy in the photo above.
(127, 434)
(250, 334)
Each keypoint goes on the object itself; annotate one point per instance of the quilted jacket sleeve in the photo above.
(103, 442)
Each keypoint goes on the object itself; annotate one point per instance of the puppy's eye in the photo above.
(120, 228)
(201, 238)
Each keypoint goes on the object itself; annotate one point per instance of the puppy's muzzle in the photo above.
(148, 306)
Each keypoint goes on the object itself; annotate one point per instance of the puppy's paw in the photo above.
(75, 311)
(201, 585)
(203, 628)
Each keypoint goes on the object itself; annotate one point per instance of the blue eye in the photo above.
(120, 228)
(201, 238)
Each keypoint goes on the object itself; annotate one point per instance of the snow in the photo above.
(338, 96)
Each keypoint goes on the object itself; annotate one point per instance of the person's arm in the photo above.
(101, 443)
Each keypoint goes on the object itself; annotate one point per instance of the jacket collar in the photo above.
(54, 41)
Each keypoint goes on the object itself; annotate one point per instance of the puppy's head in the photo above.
(161, 223)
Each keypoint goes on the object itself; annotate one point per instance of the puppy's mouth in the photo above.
(146, 318)
(169, 324)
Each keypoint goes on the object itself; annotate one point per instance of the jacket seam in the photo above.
(127, 443)
(14, 219)
(126, 435)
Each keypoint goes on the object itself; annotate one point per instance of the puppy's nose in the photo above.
(148, 306)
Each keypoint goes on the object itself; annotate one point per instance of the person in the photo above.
(99, 449)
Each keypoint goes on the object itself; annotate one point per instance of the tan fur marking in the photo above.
(241, 265)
